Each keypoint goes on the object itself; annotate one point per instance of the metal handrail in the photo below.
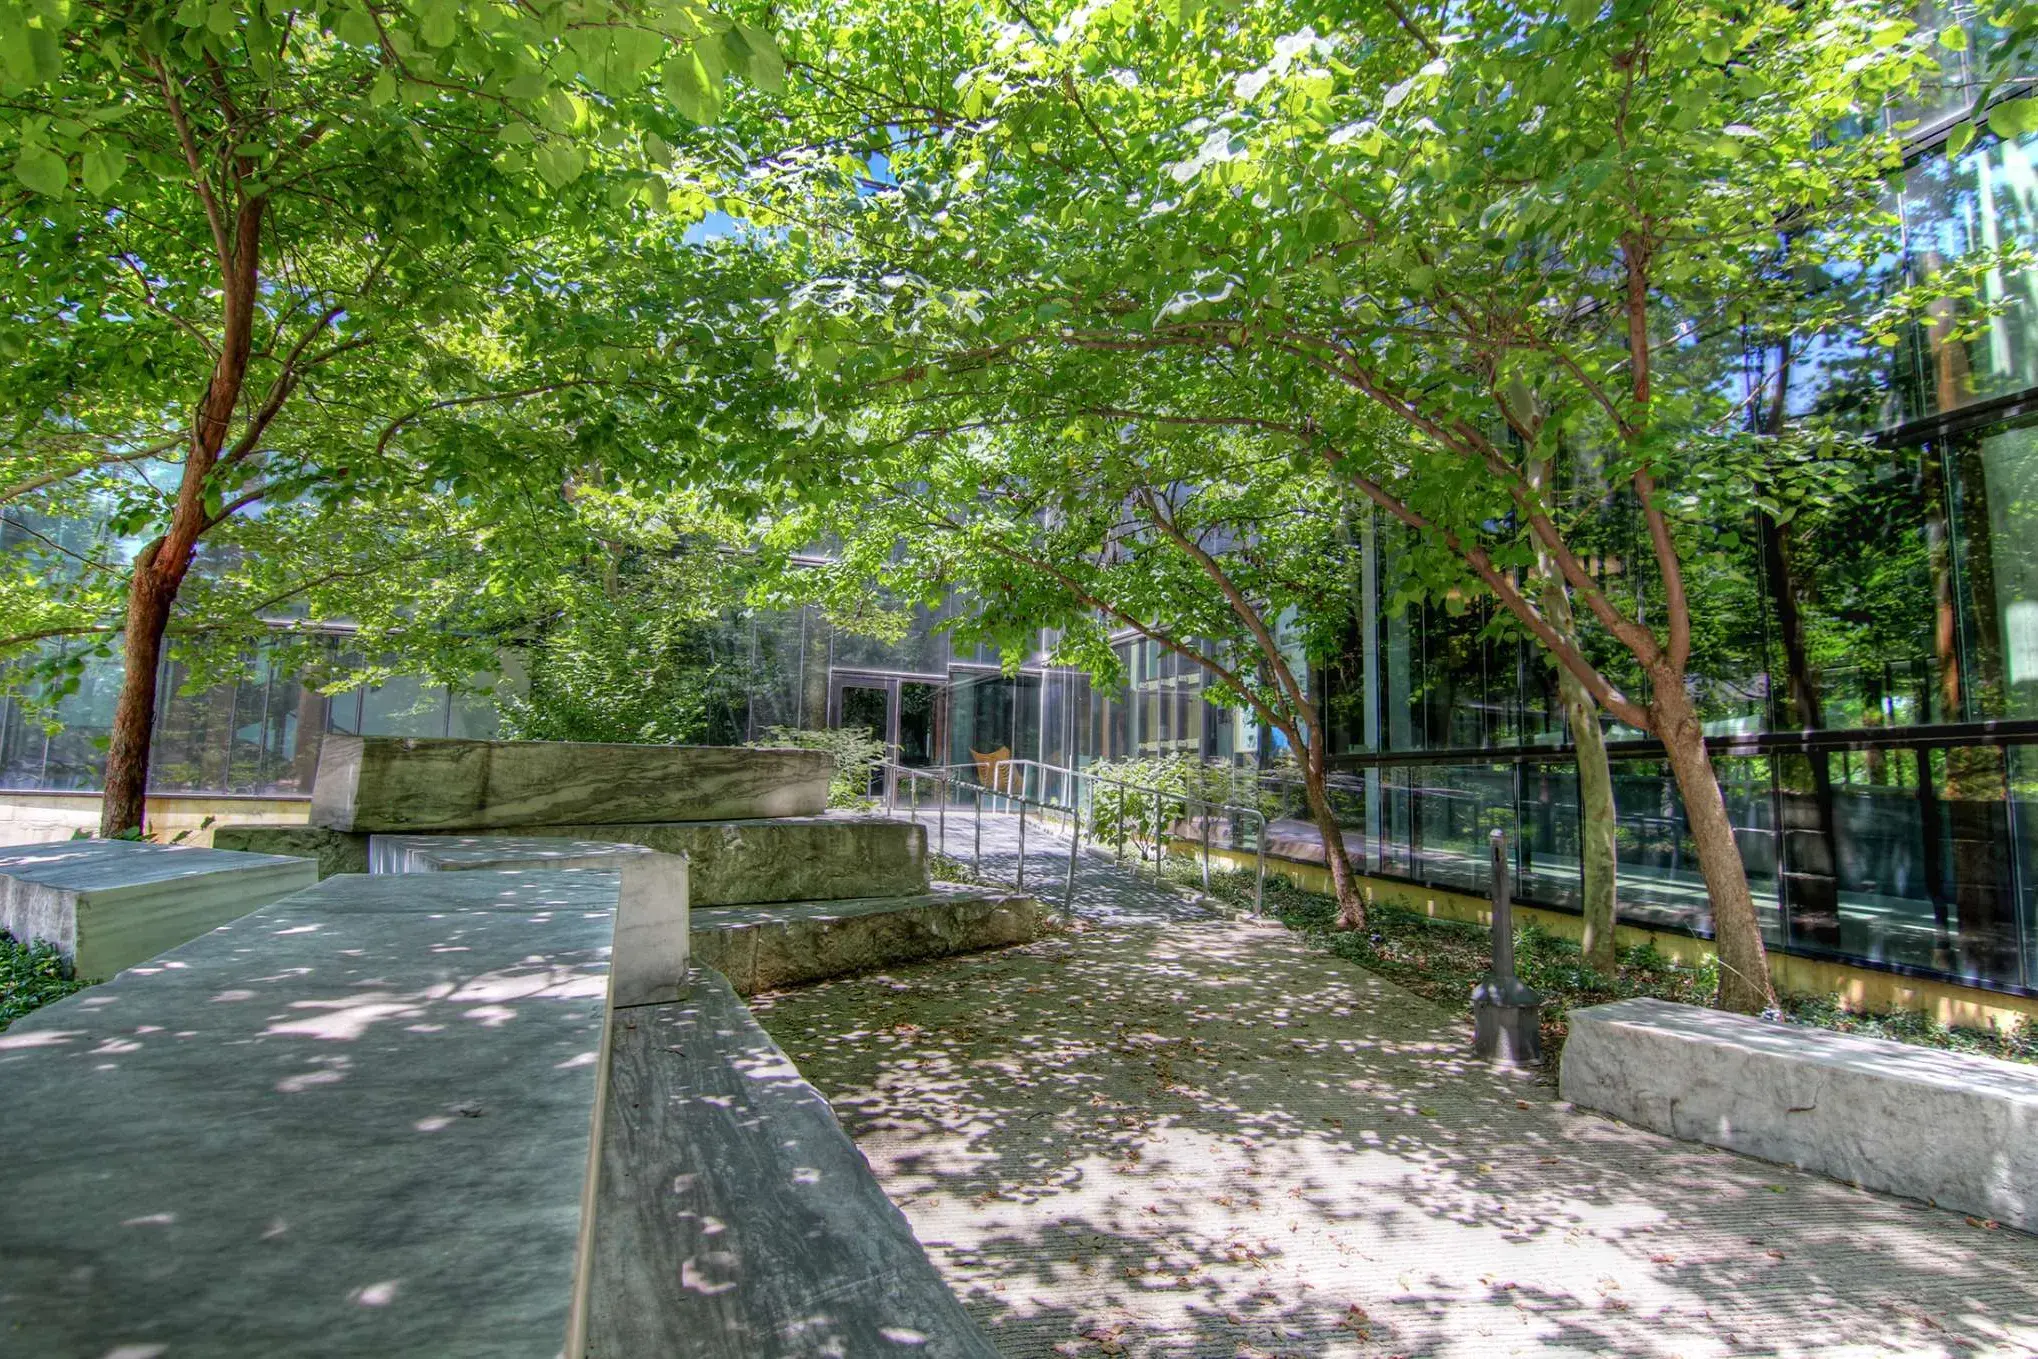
(941, 778)
(1160, 795)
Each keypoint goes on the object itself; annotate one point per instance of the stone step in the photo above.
(764, 947)
(404, 784)
(356, 1122)
(737, 1219)
(109, 904)
(833, 857)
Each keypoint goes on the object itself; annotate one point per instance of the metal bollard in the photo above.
(1506, 1014)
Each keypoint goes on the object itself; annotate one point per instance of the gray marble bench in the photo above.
(737, 1219)
(416, 1114)
(652, 936)
(401, 784)
(108, 904)
(355, 1122)
(741, 862)
(762, 948)
(1959, 1130)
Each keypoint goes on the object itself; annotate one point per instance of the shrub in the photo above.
(856, 750)
(31, 975)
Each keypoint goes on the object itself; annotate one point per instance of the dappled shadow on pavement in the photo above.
(1209, 1139)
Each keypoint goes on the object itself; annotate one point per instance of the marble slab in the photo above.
(737, 1218)
(650, 963)
(357, 1122)
(1954, 1128)
(390, 783)
(836, 857)
(108, 904)
(762, 948)
(335, 851)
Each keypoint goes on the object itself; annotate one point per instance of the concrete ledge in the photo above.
(836, 857)
(389, 783)
(760, 948)
(109, 904)
(650, 960)
(1959, 1130)
(737, 1218)
(357, 1122)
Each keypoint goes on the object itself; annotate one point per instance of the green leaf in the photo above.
(1716, 51)
(765, 66)
(441, 23)
(220, 18)
(383, 88)
(103, 166)
(1953, 38)
(2014, 117)
(42, 170)
(560, 163)
(356, 27)
(687, 85)
(1960, 138)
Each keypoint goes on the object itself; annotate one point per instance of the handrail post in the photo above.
(1260, 881)
(1206, 847)
(941, 814)
(1068, 891)
(1022, 847)
(1160, 834)
(1118, 850)
(976, 853)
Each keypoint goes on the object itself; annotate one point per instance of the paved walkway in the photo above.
(1206, 1138)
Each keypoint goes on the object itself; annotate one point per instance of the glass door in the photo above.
(867, 704)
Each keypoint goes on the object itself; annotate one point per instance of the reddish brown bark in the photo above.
(160, 569)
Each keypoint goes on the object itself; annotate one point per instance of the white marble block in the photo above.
(398, 784)
(109, 904)
(1956, 1129)
(652, 917)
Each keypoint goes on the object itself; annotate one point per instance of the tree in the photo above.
(1202, 541)
(1525, 234)
(266, 250)
(626, 647)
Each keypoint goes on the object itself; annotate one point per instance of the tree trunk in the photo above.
(1598, 865)
(1351, 905)
(125, 798)
(1596, 820)
(160, 569)
(1737, 934)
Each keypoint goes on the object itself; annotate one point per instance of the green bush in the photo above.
(1170, 787)
(856, 750)
(31, 975)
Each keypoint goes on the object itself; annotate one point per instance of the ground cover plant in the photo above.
(31, 976)
(1442, 960)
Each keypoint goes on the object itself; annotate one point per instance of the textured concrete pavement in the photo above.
(1208, 1139)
